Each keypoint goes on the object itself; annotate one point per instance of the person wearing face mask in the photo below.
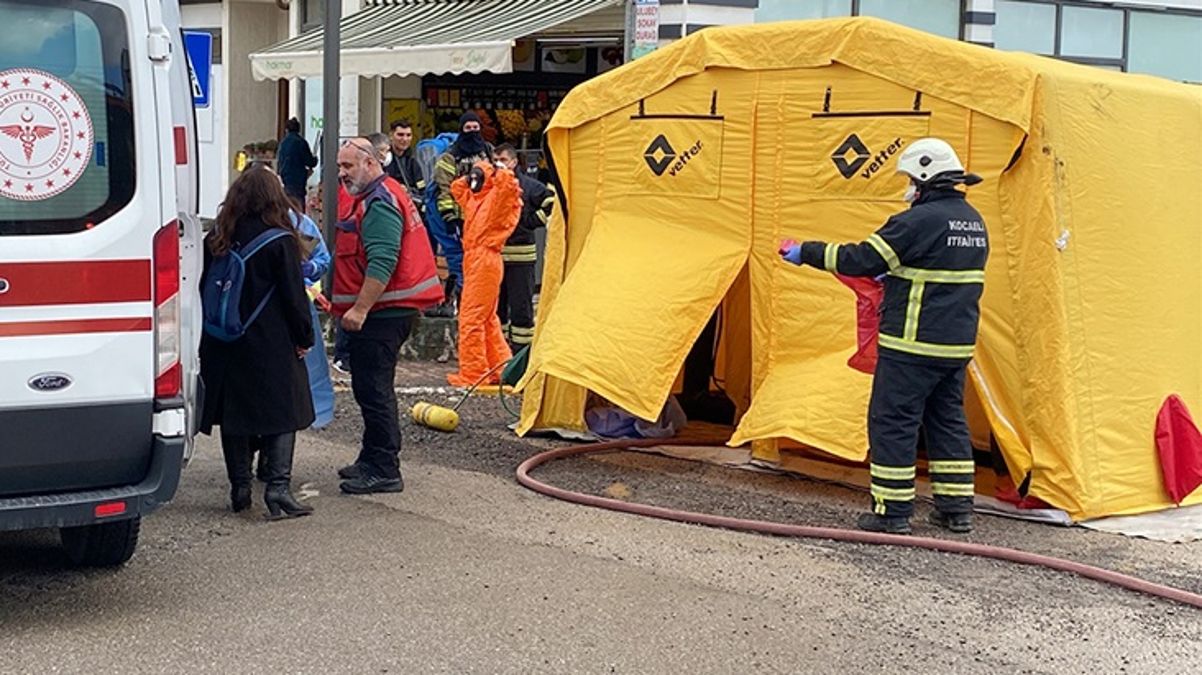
(491, 199)
(933, 259)
(516, 308)
(468, 149)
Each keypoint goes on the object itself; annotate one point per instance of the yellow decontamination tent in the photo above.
(682, 172)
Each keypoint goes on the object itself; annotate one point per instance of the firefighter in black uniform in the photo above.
(933, 258)
(516, 308)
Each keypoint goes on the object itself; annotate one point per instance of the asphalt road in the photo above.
(466, 572)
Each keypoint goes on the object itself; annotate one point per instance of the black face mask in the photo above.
(471, 143)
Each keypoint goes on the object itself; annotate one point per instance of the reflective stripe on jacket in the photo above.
(933, 259)
(414, 282)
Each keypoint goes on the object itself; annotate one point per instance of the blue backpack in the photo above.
(222, 293)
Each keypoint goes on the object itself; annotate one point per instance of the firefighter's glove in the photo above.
(790, 251)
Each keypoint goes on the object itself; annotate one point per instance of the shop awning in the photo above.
(419, 37)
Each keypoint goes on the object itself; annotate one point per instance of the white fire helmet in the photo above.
(928, 157)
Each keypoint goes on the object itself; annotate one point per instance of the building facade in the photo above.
(1156, 37)
(240, 111)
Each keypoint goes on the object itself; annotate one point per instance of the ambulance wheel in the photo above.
(101, 545)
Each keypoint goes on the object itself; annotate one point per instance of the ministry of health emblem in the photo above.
(46, 135)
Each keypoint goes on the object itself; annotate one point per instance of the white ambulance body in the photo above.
(99, 262)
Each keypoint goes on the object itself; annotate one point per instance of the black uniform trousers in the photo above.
(373, 353)
(516, 306)
(906, 395)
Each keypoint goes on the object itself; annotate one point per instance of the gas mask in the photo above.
(475, 179)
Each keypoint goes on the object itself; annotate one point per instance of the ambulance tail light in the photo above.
(168, 380)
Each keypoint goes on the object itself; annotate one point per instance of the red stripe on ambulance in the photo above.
(75, 327)
(75, 283)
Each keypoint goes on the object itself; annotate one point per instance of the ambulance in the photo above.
(99, 262)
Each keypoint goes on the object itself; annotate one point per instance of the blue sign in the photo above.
(199, 46)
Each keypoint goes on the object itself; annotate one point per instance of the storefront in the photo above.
(511, 61)
(424, 60)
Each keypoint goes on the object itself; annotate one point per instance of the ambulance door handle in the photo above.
(158, 47)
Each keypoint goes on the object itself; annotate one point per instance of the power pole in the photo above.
(330, 77)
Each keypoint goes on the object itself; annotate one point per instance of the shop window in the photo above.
(1025, 27)
(312, 14)
(941, 17)
(1167, 45)
(787, 10)
(1091, 32)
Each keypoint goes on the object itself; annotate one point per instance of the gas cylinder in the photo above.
(435, 416)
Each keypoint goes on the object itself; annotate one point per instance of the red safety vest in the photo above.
(414, 283)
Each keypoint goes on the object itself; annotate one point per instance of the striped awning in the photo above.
(419, 37)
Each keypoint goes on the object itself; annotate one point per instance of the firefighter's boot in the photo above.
(871, 522)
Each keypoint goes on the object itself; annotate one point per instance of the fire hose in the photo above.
(831, 533)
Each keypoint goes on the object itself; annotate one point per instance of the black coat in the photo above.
(256, 385)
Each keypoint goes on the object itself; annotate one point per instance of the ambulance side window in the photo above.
(66, 116)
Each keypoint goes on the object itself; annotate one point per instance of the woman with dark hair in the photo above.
(257, 384)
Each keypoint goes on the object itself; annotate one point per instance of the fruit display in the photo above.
(513, 123)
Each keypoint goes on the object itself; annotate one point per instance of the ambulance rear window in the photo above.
(66, 116)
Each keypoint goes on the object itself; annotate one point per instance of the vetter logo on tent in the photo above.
(46, 135)
(852, 155)
(661, 157)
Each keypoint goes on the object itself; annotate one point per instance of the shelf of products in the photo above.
(514, 115)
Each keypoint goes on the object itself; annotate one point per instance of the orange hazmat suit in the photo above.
(491, 200)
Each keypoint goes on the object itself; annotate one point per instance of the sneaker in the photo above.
(871, 522)
(960, 523)
(366, 485)
(350, 471)
(342, 366)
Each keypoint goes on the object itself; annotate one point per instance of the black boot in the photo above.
(237, 467)
(871, 522)
(278, 495)
(960, 523)
(256, 447)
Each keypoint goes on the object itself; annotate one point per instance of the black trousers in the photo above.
(905, 396)
(340, 341)
(516, 306)
(373, 354)
(297, 193)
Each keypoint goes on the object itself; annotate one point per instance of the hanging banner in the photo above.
(646, 28)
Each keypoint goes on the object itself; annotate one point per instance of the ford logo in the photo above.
(49, 382)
